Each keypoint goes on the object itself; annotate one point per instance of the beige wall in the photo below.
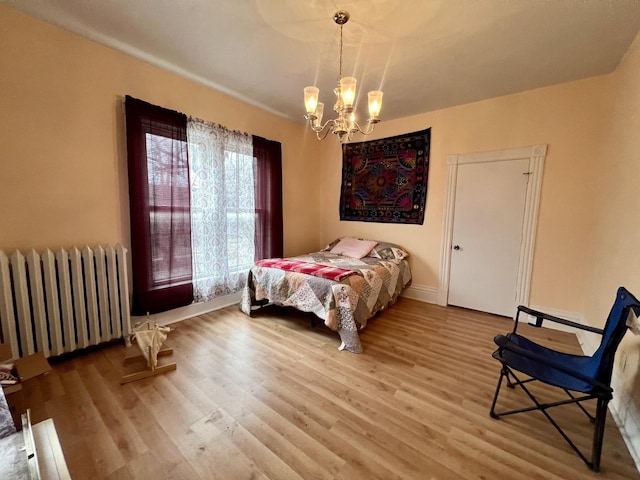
(616, 240)
(567, 118)
(64, 181)
(63, 175)
(616, 259)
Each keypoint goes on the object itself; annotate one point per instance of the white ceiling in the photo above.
(424, 54)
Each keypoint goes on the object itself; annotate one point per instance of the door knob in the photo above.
(456, 247)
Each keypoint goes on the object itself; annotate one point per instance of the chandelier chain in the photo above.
(340, 70)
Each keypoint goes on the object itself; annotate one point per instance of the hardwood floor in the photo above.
(270, 397)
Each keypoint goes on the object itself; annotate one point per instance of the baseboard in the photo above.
(627, 417)
(565, 314)
(189, 311)
(421, 293)
(588, 341)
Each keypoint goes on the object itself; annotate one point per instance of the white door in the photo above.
(487, 234)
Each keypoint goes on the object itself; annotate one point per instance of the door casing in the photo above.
(536, 155)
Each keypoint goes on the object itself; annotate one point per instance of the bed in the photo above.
(345, 284)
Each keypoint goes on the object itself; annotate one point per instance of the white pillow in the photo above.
(352, 247)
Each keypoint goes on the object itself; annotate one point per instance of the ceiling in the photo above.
(424, 54)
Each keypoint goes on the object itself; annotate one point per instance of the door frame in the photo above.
(536, 155)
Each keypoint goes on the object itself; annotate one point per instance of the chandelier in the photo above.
(345, 125)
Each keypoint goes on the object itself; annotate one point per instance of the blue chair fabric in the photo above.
(587, 376)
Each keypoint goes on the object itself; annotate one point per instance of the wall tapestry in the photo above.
(385, 180)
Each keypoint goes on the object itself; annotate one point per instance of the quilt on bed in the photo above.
(345, 305)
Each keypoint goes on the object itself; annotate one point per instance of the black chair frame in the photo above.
(599, 391)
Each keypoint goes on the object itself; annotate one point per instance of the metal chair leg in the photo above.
(492, 412)
(598, 434)
(601, 415)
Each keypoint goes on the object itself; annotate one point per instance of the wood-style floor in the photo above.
(270, 397)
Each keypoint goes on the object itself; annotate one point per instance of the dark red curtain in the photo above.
(160, 207)
(268, 200)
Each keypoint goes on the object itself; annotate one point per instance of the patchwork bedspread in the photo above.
(345, 305)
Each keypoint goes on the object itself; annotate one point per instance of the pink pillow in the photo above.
(352, 247)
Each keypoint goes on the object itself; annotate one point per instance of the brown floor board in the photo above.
(270, 397)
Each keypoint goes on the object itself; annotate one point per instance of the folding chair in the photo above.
(590, 376)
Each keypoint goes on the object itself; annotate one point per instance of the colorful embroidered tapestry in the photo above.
(385, 180)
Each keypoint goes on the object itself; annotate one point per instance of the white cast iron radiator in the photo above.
(60, 302)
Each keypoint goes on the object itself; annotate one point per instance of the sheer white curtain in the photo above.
(221, 169)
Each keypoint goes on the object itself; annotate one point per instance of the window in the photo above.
(205, 203)
(161, 176)
(159, 204)
(241, 217)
